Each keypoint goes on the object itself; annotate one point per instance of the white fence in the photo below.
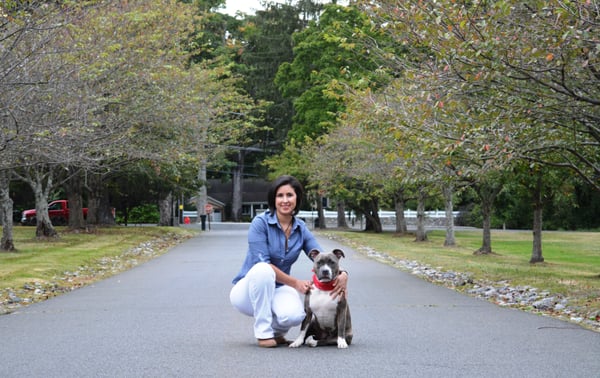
(331, 216)
(433, 214)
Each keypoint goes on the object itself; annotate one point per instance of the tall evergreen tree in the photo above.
(268, 44)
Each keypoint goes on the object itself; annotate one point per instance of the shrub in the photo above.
(144, 214)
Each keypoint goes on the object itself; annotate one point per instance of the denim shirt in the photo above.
(266, 243)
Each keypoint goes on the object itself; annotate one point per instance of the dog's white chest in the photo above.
(324, 307)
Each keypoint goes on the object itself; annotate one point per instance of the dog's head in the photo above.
(326, 265)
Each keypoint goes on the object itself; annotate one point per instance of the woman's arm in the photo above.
(300, 285)
(340, 285)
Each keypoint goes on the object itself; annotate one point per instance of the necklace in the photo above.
(286, 232)
(287, 229)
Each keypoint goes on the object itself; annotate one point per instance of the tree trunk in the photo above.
(73, 188)
(105, 213)
(40, 179)
(236, 202)
(6, 209)
(44, 227)
(538, 206)
(92, 183)
(450, 240)
(421, 234)
(165, 210)
(94, 187)
(373, 222)
(487, 193)
(322, 221)
(202, 199)
(99, 209)
(341, 215)
(401, 227)
(486, 213)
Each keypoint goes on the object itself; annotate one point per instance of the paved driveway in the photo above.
(171, 317)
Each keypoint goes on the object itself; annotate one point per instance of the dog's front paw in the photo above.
(341, 342)
(310, 341)
(297, 343)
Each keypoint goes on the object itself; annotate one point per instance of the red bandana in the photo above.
(325, 286)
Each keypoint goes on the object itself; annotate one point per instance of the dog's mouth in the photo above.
(325, 276)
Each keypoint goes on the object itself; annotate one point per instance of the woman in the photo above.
(264, 288)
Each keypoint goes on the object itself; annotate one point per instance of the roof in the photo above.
(253, 190)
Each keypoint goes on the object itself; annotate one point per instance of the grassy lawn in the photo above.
(571, 267)
(76, 259)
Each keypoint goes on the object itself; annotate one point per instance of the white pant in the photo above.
(275, 310)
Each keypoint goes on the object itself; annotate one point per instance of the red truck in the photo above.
(57, 210)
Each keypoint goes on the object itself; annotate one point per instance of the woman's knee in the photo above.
(291, 319)
(261, 272)
(238, 296)
(288, 307)
(260, 278)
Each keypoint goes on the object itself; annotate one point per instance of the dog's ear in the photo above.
(338, 253)
(314, 253)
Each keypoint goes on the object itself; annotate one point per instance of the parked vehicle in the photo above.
(16, 217)
(57, 210)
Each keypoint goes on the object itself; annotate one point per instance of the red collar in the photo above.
(325, 286)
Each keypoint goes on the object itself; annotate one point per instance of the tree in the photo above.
(7, 242)
(538, 186)
(535, 62)
(107, 101)
(218, 44)
(134, 90)
(348, 164)
(267, 44)
(329, 50)
(329, 55)
(26, 75)
(522, 71)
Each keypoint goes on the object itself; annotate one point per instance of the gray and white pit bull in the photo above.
(327, 320)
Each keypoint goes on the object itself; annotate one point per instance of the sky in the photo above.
(246, 6)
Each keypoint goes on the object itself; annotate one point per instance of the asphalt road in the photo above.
(171, 317)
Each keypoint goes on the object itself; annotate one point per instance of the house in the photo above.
(254, 197)
(217, 210)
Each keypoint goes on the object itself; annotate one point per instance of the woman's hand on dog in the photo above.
(340, 285)
(303, 286)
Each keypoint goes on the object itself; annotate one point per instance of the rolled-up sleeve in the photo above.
(258, 245)
(310, 242)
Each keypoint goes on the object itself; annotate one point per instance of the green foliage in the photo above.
(329, 51)
(508, 219)
(570, 205)
(291, 161)
(208, 42)
(511, 68)
(267, 44)
(141, 214)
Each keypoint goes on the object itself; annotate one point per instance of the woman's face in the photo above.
(285, 200)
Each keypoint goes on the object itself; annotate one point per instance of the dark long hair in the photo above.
(285, 180)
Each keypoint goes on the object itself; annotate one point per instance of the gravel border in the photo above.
(12, 299)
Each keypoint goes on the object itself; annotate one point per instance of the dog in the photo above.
(327, 320)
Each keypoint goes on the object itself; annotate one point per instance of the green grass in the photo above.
(571, 267)
(44, 261)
